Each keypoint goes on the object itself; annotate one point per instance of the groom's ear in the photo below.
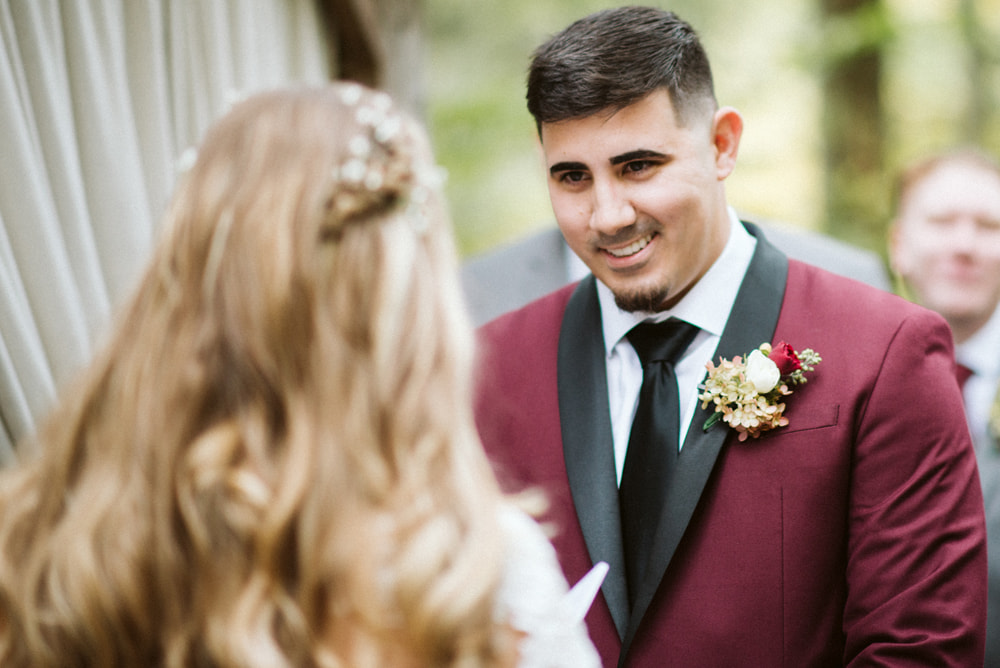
(727, 128)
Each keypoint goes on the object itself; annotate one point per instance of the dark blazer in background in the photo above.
(517, 273)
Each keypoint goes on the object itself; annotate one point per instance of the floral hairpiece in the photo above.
(373, 163)
(189, 156)
(186, 160)
(747, 393)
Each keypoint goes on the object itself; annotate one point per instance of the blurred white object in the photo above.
(574, 605)
(536, 600)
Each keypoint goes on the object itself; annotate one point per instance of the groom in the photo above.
(847, 530)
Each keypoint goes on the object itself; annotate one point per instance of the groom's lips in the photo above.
(631, 254)
(632, 248)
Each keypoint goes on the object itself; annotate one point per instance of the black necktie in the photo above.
(652, 445)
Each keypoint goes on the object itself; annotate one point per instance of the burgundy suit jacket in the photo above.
(852, 536)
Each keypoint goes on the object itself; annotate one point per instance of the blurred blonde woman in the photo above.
(273, 461)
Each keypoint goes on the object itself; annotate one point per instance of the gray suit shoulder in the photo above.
(516, 273)
(829, 253)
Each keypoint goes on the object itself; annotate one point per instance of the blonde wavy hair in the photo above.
(273, 462)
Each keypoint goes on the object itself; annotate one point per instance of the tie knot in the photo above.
(661, 341)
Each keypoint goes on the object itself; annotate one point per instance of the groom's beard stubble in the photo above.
(648, 300)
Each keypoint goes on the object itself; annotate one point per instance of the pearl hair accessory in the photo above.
(381, 163)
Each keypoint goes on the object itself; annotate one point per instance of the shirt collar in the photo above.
(706, 305)
(978, 352)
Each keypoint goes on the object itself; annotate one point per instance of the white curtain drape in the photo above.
(98, 101)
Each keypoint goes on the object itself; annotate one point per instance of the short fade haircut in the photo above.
(614, 58)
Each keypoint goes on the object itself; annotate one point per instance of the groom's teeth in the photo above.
(632, 248)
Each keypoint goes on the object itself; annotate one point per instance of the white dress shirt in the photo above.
(706, 305)
(979, 353)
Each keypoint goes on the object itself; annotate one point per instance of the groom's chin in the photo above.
(649, 300)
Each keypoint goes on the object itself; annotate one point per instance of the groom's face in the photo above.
(639, 196)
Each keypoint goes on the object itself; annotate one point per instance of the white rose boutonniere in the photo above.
(747, 393)
(762, 372)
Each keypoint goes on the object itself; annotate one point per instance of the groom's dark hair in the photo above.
(614, 58)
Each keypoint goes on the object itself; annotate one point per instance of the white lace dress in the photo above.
(535, 599)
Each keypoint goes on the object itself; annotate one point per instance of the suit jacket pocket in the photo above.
(815, 417)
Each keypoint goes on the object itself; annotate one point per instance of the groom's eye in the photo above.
(637, 166)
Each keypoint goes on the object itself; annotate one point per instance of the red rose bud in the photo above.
(783, 355)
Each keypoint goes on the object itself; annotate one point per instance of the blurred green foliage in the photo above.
(940, 69)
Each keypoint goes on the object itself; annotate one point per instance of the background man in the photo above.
(945, 245)
(850, 533)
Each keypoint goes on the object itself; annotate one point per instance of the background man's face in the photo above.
(946, 242)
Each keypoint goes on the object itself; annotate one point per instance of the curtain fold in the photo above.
(98, 100)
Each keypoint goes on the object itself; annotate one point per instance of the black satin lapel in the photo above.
(587, 440)
(751, 322)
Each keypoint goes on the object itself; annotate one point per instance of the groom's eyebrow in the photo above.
(567, 167)
(638, 154)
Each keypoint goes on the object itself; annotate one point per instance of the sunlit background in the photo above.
(104, 98)
(836, 96)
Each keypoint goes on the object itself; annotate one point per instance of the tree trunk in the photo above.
(980, 59)
(856, 185)
(379, 43)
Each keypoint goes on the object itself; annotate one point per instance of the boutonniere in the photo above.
(748, 392)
